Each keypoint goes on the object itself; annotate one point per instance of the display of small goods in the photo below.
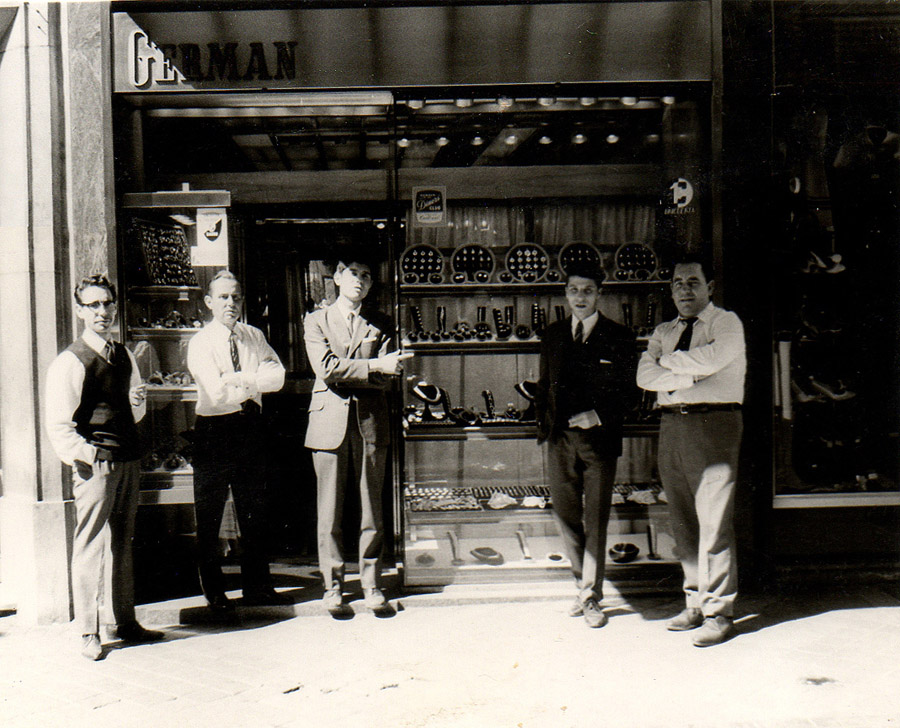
(169, 380)
(635, 262)
(165, 251)
(579, 255)
(422, 264)
(527, 262)
(170, 455)
(472, 264)
(437, 410)
(427, 497)
(505, 325)
(171, 320)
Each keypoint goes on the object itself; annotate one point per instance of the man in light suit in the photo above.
(349, 352)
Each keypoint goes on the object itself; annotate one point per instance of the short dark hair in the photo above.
(98, 280)
(696, 259)
(586, 271)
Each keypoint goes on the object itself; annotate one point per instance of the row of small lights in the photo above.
(511, 140)
(505, 102)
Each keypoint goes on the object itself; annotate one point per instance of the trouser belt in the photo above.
(684, 409)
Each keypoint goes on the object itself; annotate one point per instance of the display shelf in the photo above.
(511, 289)
(156, 479)
(179, 394)
(836, 500)
(528, 346)
(181, 293)
(181, 494)
(453, 432)
(160, 333)
(511, 431)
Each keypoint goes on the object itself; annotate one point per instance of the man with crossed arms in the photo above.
(696, 364)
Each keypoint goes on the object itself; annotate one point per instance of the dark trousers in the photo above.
(581, 487)
(228, 452)
(698, 458)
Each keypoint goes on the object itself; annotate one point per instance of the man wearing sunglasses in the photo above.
(94, 398)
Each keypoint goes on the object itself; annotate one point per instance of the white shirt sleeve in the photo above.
(203, 368)
(269, 376)
(141, 409)
(726, 334)
(65, 378)
(654, 377)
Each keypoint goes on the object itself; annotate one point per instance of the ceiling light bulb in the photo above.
(505, 102)
(652, 138)
(403, 142)
(511, 139)
(415, 103)
(463, 103)
(668, 100)
(546, 101)
(442, 141)
(477, 141)
(545, 140)
(380, 225)
(587, 101)
(579, 138)
(628, 100)
(612, 138)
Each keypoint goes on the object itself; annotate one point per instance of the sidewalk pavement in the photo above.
(470, 657)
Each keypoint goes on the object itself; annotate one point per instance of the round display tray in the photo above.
(635, 262)
(579, 255)
(472, 264)
(421, 264)
(527, 262)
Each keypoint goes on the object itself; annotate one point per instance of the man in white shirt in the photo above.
(349, 351)
(94, 398)
(585, 374)
(696, 364)
(233, 365)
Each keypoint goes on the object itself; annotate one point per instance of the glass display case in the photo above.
(172, 244)
(835, 268)
(527, 193)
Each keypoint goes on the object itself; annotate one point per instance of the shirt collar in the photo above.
(94, 340)
(345, 309)
(704, 315)
(220, 330)
(587, 323)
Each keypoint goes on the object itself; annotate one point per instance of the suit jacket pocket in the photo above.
(318, 400)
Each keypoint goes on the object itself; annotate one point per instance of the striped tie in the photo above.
(235, 358)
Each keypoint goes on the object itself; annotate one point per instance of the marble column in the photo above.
(56, 224)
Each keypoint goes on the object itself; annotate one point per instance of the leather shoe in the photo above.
(593, 614)
(133, 632)
(333, 599)
(714, 631)
(219, 604)
(576, 608)
(689, 618)
(373, 598)
(265, 597)
(90, 647)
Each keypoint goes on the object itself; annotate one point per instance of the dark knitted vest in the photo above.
(575, 393)
(104, 417)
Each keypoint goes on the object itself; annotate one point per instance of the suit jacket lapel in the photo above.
(362, 330)
(337, 329)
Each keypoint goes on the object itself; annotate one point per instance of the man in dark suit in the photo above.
(586, 367)
(348, 349)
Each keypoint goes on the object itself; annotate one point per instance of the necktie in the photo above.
(109, 351)
(351, 323)
(235, 358)
(684, 341)
(579, 333)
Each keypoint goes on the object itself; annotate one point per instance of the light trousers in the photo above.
(698, 457)
(106, 499)
(331, 483)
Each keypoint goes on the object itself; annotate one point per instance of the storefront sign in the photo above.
(211, 244)
(381, 47)
(429, 206)
(679, 198)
